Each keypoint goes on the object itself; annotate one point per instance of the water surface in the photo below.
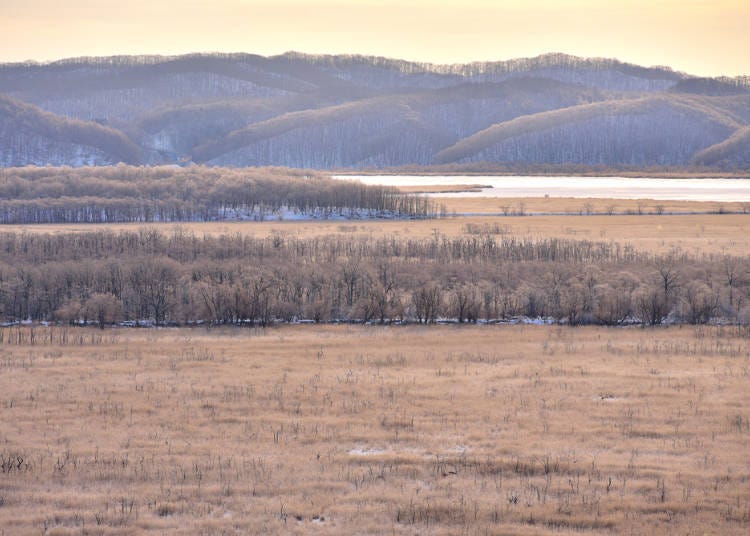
(582, 187)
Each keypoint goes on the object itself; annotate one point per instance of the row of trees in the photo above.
(104, 278)
(136, 194)
(543, 62)
(235, 64)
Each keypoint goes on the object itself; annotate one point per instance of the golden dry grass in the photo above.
(705, 233)
(368, 430)
(573, 205)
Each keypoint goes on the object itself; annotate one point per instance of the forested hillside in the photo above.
(32, 136)
(357, 112)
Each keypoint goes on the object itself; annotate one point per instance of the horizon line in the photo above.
(292, 52)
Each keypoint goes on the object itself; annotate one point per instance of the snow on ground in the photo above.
(286, 213)
(363, 451)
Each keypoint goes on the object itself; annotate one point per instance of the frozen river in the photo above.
(599, 187)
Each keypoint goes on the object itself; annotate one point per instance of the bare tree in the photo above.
(104, 308)
(698, 303)
(427, 301)
(155, 282)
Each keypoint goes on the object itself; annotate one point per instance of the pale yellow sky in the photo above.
(703, 37)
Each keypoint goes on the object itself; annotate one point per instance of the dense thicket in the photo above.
(148, 276)
(137, 194)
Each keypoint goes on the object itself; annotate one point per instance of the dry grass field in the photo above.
(309, 429)
(697, 233)
(369, 430)
(573, 205)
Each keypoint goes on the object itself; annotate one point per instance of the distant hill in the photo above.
(325, 112)
(29, 135)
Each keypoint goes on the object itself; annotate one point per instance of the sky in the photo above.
(701, 37)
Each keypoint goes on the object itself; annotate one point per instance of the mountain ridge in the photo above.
(356, 111)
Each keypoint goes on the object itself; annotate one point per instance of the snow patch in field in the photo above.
(538, 321)
(286, 213)
(369, 451)
(359, 451)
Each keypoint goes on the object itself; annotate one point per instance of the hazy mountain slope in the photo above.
(608, 140)
(595, 72)
(462, 110)
(384, 136)
(731, 152)
(123, 87)
(393, 130)
(32, 136)
(638, 124)
(359, 111)
(277, 126)
(722, 86)
(738, 106)
(720, 110)
(174, 131)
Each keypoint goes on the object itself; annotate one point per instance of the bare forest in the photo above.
(357, 112)
(168, 194)
(148, 276)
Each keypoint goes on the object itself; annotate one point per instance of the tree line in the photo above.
(138, 194)
(180, 278)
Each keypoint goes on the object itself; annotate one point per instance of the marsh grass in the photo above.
(693, 233)
(342, 429)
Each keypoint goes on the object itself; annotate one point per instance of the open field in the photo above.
(705, 233)
(401, 430)
(574, 205)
